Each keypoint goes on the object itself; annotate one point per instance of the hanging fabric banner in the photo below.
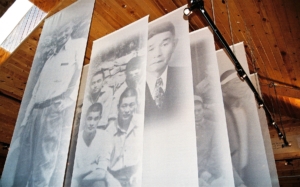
(40, 143)
(170, 156)
(250, 165)
(214, 161)
(110, 139)
(266, 136)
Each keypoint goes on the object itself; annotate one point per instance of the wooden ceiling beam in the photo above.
(281, 90)
(45, 5)
(3, 55)
(9, 108)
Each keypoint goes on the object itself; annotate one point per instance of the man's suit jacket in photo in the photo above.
(174, 97)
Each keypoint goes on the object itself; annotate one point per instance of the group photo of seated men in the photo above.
(109, 144)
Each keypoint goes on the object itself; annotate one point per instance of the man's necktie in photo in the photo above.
(159, 93)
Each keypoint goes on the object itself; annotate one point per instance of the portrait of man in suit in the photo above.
(165, 86)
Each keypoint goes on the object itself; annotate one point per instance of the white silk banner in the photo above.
(40, 143)
(110, 138)
(250, 165)
(170, 156)
(214, 161)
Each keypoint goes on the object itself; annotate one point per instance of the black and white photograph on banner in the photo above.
(110, 139)
(213, 152)
(250, 165)
(41, 138)
(170, 157)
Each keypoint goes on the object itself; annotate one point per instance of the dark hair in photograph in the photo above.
(96, 107)
(134, 63)
(160, 28)
(128, 92)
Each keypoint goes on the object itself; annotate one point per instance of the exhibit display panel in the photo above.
(170, 155)
(266, 136)
(110, 138)
(213, 152)
(40, 143)
(250, 165)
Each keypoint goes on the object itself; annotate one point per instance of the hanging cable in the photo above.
(213, 10)
(279, 110)
(230, 26)
(272, 103)
(253, 60)
(199, 4)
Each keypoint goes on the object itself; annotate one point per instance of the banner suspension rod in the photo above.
(199, 4)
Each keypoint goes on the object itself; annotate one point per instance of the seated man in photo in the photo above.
(126, 157)
(92, 152)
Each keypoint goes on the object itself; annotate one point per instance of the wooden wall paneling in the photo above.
(264, 37)
(130, 12)
(104, 27)
(283, 90)
(113, 15)
(9, 109)
(289, 181)
(245, 36)
(45, 5)
(166, 6)
(295, 104)
(283, 156)
(150, 7)
(240, 32)
(254, 26)
(285, 28)
(251, 39)
(286, 107)
(234, 20)
(268, 16)
(11, 91)
(21, 61)
(292, 8)
(3, 55)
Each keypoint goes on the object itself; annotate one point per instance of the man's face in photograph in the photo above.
(91, 121)
(97, 83)
(64, 35)
(133, 77)
(160, 49)
(127, 107)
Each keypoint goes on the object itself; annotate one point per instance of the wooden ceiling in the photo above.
(269, 29)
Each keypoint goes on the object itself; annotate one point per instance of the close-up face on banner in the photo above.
(213, 152)
(39, 149)
(110, 138)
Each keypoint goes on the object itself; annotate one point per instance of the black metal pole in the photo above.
(199, 4)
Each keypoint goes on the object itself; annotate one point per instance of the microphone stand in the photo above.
(199, 4)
